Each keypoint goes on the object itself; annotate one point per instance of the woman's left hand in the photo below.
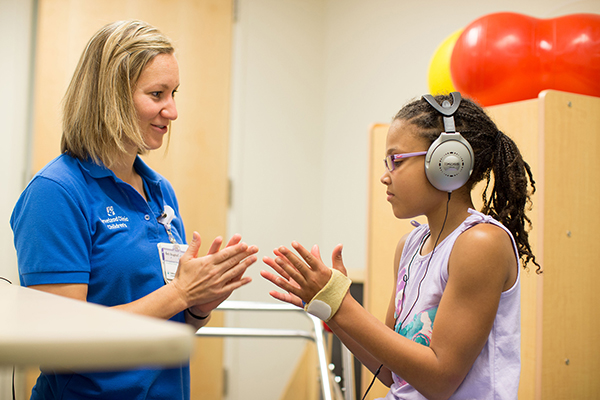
(206, 308)
(301, 277)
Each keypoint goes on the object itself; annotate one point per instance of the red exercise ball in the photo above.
(506, 57)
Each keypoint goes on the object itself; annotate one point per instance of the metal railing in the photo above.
(316, 335)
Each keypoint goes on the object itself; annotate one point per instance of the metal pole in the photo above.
(348, 367)
(317, 335)
(323, 365)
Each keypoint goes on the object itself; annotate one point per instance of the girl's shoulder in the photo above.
(485, 250)
(485, 235)
(483, 230)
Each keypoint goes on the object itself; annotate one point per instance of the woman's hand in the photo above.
(302, 278)
(205, 282)
(206, 308)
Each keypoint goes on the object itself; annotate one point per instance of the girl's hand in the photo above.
(286, 297)
(302, 278)
(207, 281)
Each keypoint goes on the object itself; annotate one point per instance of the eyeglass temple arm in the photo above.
(406, 155)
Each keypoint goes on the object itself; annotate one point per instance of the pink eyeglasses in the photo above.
(390, 161)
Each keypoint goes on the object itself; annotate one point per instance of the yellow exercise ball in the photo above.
(439, 77)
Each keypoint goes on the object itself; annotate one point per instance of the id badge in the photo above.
(169, 254)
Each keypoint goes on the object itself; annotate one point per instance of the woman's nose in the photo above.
(170, 110)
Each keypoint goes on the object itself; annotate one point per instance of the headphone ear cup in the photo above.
(449, 162)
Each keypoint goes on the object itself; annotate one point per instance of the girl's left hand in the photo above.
(302, 278)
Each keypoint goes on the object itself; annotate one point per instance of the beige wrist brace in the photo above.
(327, 302)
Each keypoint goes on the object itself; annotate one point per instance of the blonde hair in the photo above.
(99, 116)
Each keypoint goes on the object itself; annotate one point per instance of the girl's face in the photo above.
(153, 97)
(408, 190)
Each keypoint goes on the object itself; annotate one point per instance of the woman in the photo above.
(452, 329)
(91, 223)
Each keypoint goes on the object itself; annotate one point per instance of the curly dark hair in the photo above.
(496, 159)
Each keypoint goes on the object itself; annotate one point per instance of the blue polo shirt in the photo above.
(76, 222)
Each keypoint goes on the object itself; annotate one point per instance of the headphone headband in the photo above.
(449, 160)
(446, 109)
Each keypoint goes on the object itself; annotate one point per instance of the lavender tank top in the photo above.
(495, 373)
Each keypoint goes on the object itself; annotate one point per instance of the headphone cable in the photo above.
(418, 292)
(372, 382)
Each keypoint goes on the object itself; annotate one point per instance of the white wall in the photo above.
(276, 168)
(16, 30)
(310, 77)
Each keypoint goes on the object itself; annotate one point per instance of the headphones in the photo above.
(449, 160)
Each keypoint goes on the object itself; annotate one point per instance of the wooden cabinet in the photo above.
(559, 136)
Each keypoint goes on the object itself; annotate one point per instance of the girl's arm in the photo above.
(384, 375)
(480, 268)
(359, 352)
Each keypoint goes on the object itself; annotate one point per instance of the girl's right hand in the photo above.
(292, 272)
(212, 278)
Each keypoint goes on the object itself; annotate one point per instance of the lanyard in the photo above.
(169, 253)
(165, 219)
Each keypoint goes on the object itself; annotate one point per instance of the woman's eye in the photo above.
(155, 94)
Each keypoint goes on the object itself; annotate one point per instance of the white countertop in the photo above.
(41, 329)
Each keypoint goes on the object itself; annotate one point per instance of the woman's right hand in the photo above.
(213, 277)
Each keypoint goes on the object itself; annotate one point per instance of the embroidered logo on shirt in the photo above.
(114, 221)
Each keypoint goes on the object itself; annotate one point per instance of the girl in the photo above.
(452, 328)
